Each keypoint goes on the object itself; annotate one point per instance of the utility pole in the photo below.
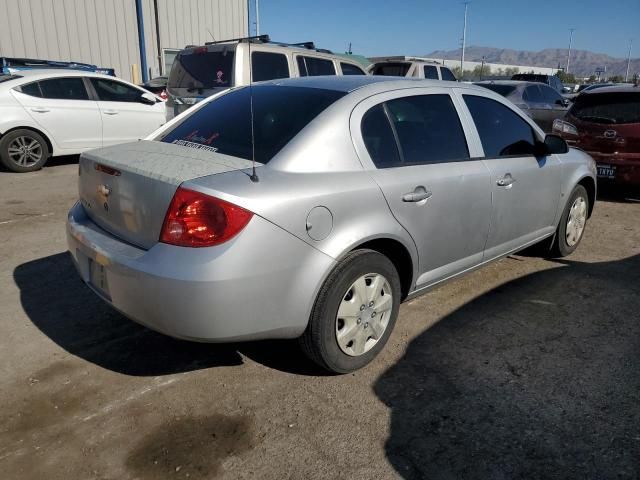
(257, 17)
(464, 39)
(569, 53)
(482, 68)
(626, 76)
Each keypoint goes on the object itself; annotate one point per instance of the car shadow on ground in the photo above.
(538, 378)
(70, 314)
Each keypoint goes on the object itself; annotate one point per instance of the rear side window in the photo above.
(391, 69)
(549, 95)
(502, 131)
(313, 66)
(70, 88)
(32, 89)
(428, 129)
(268, 66)
(112, 91)
(348, 69)
(430, 72)
(378, 138)
(202, 69)
(224, 125)
(447, 75)
(608, 108)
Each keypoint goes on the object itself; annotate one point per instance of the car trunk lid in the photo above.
(126, 189)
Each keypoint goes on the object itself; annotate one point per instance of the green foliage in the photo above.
(566, 77)
(616, 79)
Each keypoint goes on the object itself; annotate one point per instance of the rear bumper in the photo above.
(627, 166)
(261, 284)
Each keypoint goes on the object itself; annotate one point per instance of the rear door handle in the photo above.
(110, 112)
(419, 194)
(505, 181)
(40, 110)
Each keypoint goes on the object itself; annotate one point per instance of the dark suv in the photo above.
(606, 124)
(551, 80)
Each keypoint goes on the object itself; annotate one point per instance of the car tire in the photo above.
(357, 287)
(572, 223)
(23, 151)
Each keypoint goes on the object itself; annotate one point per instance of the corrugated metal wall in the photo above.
(105, 32)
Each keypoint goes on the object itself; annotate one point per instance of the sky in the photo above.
(412, 27)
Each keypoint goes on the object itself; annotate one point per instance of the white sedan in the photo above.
(46, 113)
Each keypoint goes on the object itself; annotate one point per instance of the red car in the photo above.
(606, 124)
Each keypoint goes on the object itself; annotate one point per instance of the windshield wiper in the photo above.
(595, 118)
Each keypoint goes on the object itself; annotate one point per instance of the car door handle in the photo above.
(110, 112)
(418, 195)
(505, 181)
(40, 110)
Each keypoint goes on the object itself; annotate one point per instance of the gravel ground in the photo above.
(526, 369)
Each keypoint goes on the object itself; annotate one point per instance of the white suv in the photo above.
(201, 71)
(410, 67)
(50, 112)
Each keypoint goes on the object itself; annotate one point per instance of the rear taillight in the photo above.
(198, 220)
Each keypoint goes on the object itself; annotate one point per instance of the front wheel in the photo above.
(572, 223)
(354, 313)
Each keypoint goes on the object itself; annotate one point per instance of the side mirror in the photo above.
(148, 98)
(553, 144)
(563, 101)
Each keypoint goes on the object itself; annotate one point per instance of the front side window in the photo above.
(502, 131)
(68, 88)
(549, 95)
(430, 72)
(313, 66)
(532, 94)
(268, 66)
(224, 124)
(447, 75)
(428, 129)
(378, 138)
(349, 69)
(113, 91)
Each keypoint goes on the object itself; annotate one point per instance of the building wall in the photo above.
(105, 32)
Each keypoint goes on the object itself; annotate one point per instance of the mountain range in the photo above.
(583, 62)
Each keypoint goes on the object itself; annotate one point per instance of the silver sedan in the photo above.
(311, 208)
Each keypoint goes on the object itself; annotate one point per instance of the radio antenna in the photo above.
(254, 178)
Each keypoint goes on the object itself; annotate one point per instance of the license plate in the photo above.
(98, 278)
(607, 171)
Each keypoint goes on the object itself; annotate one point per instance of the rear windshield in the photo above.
(397, 69)
(608, 108)
(200, 69)
(530, 77)
(503, 90)
(224, 125)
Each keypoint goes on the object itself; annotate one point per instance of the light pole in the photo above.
(569, 53)
(464, 39)
(626, 76)
(257, 17)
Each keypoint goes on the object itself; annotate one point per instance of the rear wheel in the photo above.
(572, 223)
(354, 313)
(23, 151)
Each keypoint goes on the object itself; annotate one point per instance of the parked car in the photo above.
(366, 191)
(201, 71)
(605, 122)
(157, 86)
(10, 65)
(64, 112)
(410, 67)
(552, 80)
(594, 86)
(542, 103)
